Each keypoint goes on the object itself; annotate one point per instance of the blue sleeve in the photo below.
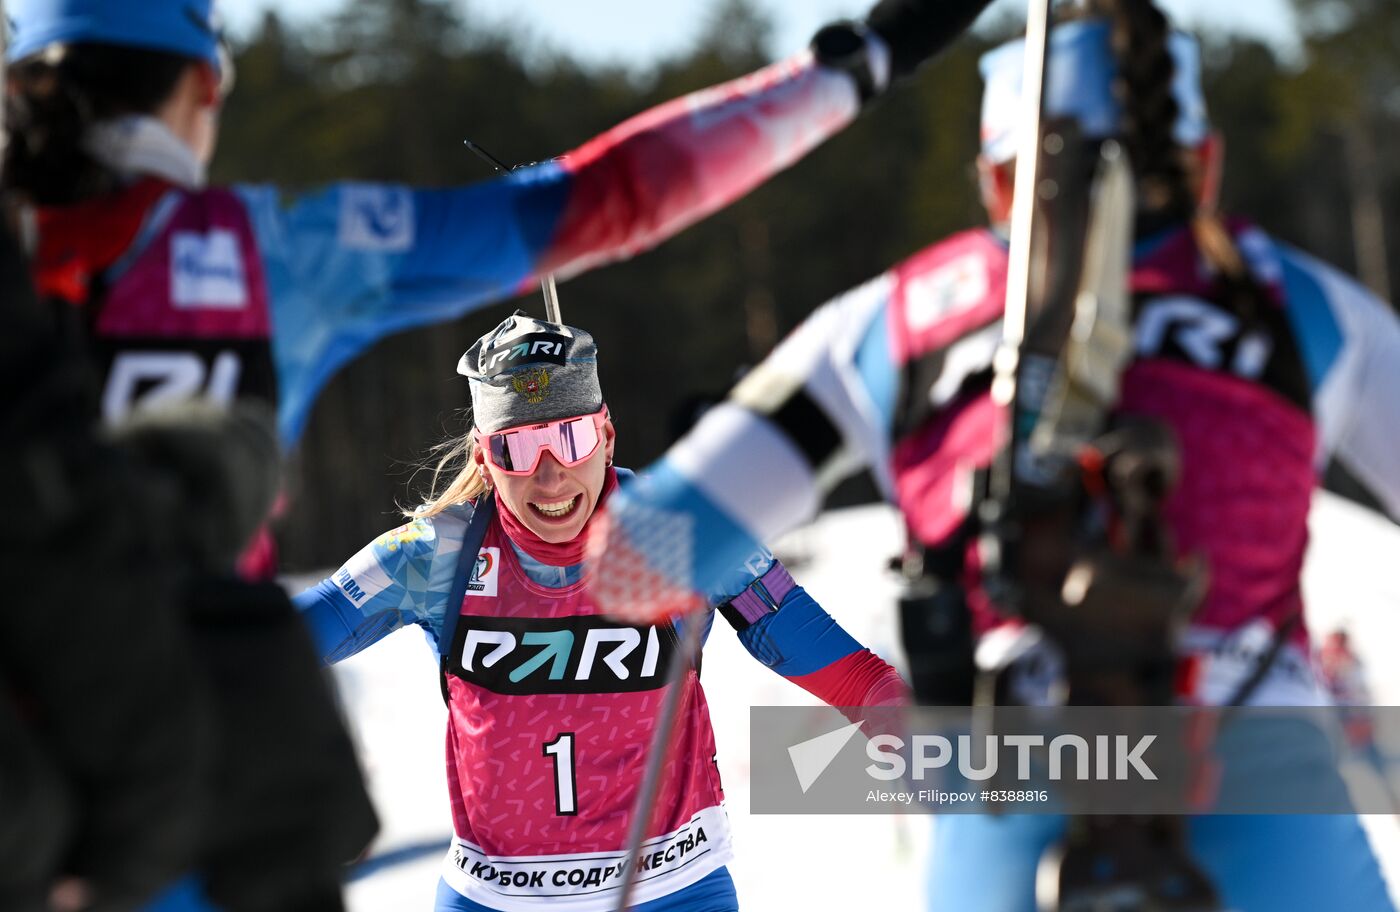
(337, 627)
(351, 263)
(740, 577)
(799, 638)
(402, 577)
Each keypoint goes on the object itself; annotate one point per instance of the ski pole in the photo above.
(551, 298)
(656, 760)
(547, 286)
(1008, 362)
(1020, 371)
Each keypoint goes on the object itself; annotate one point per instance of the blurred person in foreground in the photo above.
(106, 744)
(136, 742)
(156, 713)
(192, 290)
(547, 746)
(1262, 361)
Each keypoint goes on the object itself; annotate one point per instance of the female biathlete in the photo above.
(1262, 360)
(551, 705)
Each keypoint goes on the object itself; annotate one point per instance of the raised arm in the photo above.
(354, 262)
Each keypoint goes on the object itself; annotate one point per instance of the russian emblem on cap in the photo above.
(533, 385)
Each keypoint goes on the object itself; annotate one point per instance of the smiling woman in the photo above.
(542, 438)
(551, 705)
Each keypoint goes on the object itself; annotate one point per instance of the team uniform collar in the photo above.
(142, 146)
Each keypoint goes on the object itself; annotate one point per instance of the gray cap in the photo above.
(527, 371)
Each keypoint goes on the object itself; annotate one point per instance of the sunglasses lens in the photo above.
(502, 452)
(578, 440)
(571, 441)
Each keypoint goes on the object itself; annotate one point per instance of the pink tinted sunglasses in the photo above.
(517, 451)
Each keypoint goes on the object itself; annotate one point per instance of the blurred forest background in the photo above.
(389, 89)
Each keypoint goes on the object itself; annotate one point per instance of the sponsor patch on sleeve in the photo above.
(376, 217)
(362, 578)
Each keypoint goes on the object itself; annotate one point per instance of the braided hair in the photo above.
(1141, 38)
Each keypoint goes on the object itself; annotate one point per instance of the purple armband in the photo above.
(763, 596)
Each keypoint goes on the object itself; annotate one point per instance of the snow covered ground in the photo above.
(392, 698)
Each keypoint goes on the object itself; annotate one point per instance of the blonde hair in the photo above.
(468, 483)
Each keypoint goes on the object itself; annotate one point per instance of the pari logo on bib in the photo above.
(577, 654)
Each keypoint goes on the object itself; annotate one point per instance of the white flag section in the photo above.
(396, 712)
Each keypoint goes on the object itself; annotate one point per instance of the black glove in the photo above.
(917, 30)
(912, 31)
